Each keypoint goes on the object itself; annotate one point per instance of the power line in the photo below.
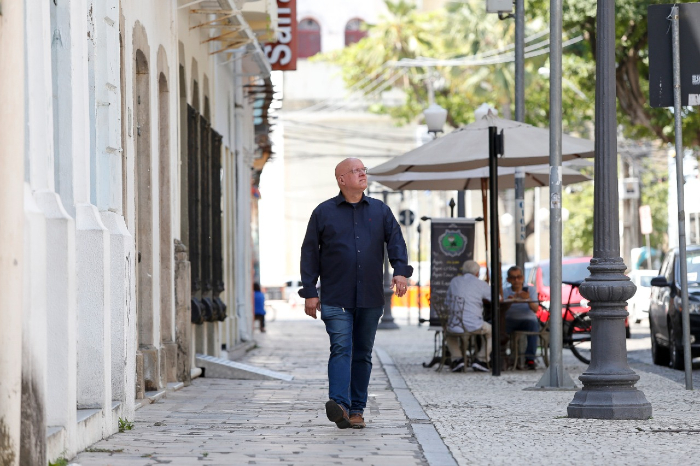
(349, 132)
(325, 141)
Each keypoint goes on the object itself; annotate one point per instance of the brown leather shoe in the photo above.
(357, 421)
(336, 413)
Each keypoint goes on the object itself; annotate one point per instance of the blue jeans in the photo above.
(351, 331)
(529, 324)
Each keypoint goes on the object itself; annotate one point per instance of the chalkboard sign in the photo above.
(451, 244)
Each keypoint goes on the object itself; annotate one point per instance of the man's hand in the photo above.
(311, 305)
(400, 285)
(519, 296)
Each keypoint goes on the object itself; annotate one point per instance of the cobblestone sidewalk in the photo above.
(492, 420)
(482, 419)
(239, 422)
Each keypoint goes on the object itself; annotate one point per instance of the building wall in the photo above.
(90, 256)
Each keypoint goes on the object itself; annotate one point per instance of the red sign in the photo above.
(283, 53)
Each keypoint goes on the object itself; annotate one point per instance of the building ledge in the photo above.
(52, 431)
(175, 386)
(84, 415)
(155, 396)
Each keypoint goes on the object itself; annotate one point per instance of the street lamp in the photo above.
(435, 118)
(483, 110)
(608, 383)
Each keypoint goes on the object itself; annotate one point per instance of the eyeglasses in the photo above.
(356, 171)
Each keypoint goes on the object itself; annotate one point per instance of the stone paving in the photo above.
(492, 420)
(482, 419)
(240, 422)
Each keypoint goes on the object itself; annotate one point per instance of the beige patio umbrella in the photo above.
(535, 176)
(467, 148)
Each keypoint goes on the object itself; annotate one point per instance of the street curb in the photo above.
(434, 449)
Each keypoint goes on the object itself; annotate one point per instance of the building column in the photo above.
(33, 443)
(244, 264)
(92, 237)
(106, 164)
(12, 125)
(183, 314)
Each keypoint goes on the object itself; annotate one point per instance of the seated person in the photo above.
(470, 293)
(522, 316)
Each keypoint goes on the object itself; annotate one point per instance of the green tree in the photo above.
(635, 115)
(577, 231)
(461, 30)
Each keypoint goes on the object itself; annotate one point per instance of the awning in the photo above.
(233, 33)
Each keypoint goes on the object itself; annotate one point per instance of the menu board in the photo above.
(451, 244)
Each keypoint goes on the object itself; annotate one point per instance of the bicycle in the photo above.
(576, 327)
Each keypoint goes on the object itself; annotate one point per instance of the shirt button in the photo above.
(358, 250)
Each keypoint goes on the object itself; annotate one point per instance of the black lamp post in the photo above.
(387, 322)
(608, 383)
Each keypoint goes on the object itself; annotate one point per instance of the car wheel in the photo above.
(676, 356)
(659, 354)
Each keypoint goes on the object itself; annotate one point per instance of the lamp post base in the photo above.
(609, 403)
(387, 322)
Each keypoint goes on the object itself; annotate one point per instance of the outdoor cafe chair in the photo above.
(449, 311)
(542, 342)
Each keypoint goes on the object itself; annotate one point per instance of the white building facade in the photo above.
(137, 144)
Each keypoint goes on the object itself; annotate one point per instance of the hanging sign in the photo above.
(283, 53)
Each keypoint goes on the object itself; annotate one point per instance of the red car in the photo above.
(573, 269)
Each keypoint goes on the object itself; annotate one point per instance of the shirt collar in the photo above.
(339, 199)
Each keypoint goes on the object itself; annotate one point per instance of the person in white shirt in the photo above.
(465, 297)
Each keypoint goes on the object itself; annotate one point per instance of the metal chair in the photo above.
(543, 344)
(449, 311)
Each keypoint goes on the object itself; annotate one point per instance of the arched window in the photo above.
(354, 32)
(309, 33)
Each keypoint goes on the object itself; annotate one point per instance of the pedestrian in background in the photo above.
(259, 298)
(344, 246)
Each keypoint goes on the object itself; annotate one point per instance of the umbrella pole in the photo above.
(495, 268)
(484, 207)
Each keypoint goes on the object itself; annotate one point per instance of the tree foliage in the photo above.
(635, 115)
(463, 29)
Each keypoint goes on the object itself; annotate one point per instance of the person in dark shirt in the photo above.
(259, 299)
(344, 246)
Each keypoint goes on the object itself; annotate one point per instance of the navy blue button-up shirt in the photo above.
(344, 246)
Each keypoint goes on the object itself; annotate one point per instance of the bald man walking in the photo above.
(344, 246)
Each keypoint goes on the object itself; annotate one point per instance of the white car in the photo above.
(638, 306)
(291, 292)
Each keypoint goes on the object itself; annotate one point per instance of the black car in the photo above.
(665, 309)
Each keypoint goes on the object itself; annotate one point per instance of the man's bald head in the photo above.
(347, 165)
(352, 179)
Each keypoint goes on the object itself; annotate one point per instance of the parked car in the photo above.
(638, 306)
(573, 269)
(665, 309)
(291, 292)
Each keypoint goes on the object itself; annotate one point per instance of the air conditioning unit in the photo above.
(499, 6)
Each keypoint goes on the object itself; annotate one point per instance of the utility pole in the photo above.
(520, 253)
